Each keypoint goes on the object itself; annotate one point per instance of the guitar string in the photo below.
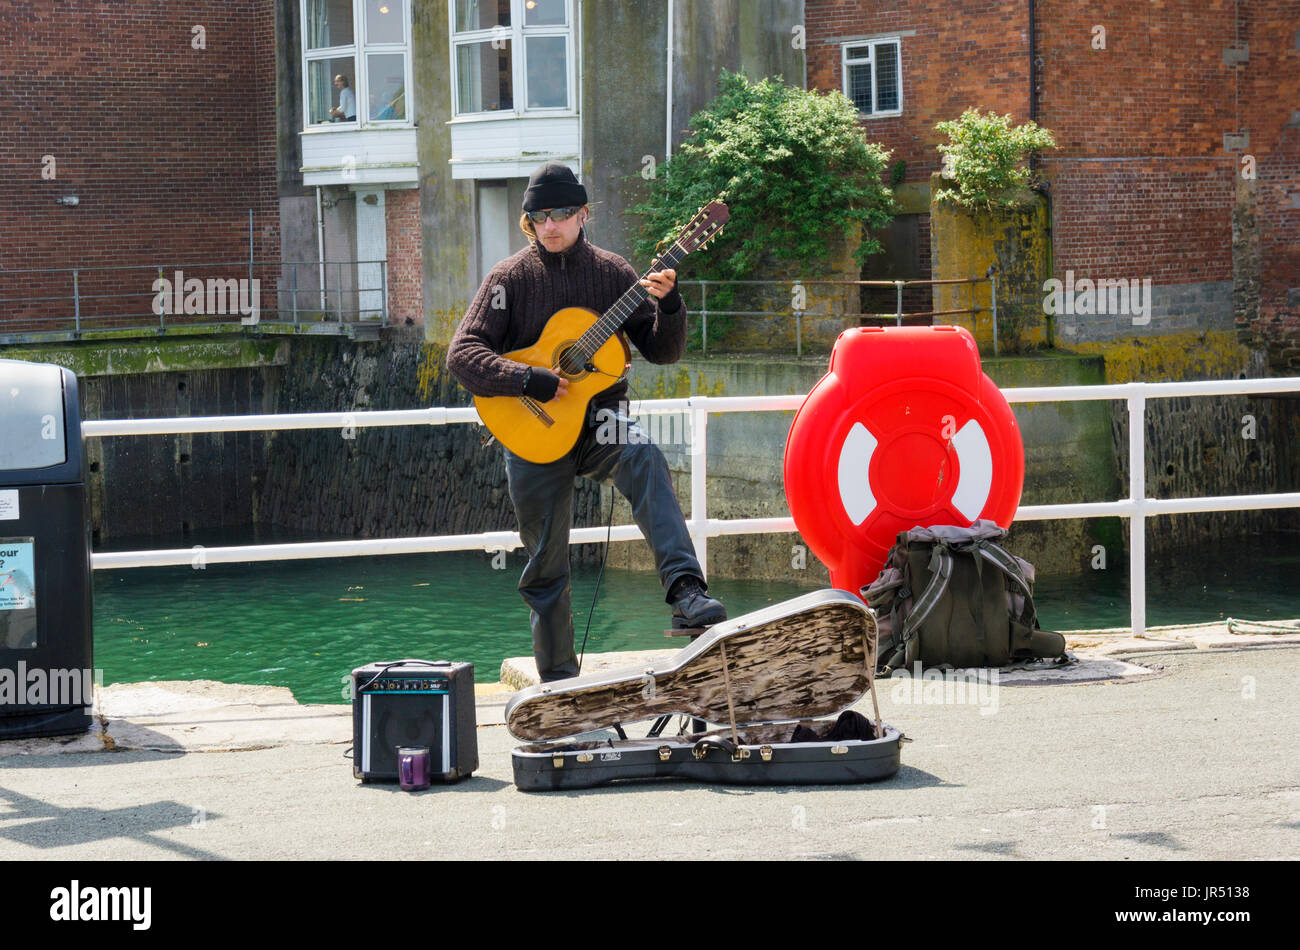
(609, 322)
(605, 327)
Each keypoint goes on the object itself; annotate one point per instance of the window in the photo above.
(873, 77)
(357, 61)
(512, 56)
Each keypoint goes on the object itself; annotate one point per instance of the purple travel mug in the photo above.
(413, 769)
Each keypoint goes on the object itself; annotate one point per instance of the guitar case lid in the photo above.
(798, 659)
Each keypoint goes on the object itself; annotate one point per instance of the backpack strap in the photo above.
(999, 557)
(940, 568)
(1025, 631)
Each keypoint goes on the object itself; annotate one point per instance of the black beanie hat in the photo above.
(554, 186)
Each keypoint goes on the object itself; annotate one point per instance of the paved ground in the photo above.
(1197, 759)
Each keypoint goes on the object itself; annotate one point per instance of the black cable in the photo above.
(609, 531)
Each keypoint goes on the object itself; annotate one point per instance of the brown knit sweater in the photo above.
(534, 284)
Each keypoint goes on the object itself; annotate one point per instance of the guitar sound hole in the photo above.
(569, 360)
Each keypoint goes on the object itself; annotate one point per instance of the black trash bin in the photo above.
(46, 668)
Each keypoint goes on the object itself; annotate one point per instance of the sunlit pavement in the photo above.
(1195, 760)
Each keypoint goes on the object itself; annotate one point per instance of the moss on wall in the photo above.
(136, 357)
(963, 244)
(1169, 357)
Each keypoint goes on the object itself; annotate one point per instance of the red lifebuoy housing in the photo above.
(904, 430)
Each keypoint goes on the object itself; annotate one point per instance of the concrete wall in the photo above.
(172, 486)
(624, 90)
(448, 236)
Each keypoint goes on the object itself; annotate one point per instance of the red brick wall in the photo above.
(1169, 221)
(405, 287)
(167, 147)
(1141, 184)
(967, 55)
(1160, 87)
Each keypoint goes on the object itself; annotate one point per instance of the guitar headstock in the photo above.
(704, 227)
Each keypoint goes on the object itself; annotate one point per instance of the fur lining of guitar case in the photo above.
(762, 677)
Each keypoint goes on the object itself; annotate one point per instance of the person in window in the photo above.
(346, 110)
(561, 268)
(389, 111)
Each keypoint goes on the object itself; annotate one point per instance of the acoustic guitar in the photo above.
(590, 351)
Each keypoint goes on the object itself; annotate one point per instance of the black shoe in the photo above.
(694, 608)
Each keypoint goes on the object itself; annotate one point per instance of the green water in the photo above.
(306, 624)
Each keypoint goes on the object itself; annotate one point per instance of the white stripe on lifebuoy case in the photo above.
(975, 478)
(974, 482)
(855, 486)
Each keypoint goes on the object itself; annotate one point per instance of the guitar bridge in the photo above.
(536, 409)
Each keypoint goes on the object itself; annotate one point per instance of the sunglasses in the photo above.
(555, 214)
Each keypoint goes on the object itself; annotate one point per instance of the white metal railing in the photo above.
(1137, 507)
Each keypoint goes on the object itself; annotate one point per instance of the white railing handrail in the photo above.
(1137, 507)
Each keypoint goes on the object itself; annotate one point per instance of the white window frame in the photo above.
(358, 51)
(870, 61)
(517, 33)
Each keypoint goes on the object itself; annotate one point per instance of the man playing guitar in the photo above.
(561, 268)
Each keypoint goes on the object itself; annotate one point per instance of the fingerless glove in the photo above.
(540, 384)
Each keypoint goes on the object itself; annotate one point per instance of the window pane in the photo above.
(886, 77)
(483, 77)
(544, 12)
(331, 90)
(386, 83)
(385, 21)
(329, 23)
(860, 87)
(859, 52)
(481, 14)
(547, 70)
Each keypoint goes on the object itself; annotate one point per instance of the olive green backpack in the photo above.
(952, 596)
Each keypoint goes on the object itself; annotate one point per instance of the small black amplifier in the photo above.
(413, 703)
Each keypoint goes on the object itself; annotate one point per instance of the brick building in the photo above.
(169, 124)
(158, 119)
(1162, 113)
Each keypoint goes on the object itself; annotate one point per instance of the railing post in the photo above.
(383, 279)
(699, 485)
(338, 291)
(164, 309)
(898, 304)
(293, 271)
(1137, 479)
(76, 300)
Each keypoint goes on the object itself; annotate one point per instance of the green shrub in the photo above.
(983, 157)
(794, 169)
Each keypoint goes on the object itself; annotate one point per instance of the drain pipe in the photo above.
(668, 89)
(1043, 189)
(320, 248)
(1033, 67)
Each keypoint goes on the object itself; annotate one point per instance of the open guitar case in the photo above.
(760, 677)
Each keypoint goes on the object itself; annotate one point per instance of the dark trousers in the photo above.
(543, 500)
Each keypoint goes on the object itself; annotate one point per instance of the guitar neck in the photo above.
(613, 319)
